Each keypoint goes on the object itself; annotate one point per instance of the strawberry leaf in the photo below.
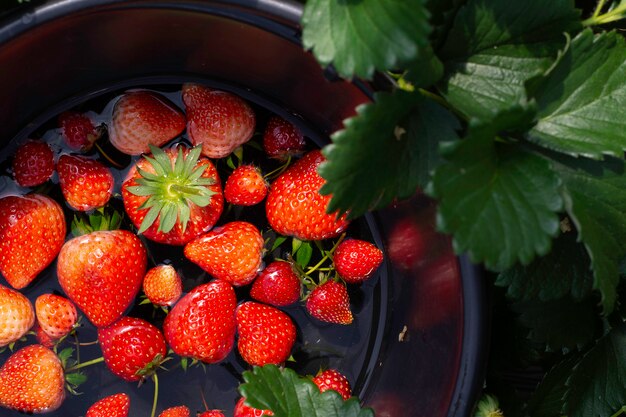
(303, 256)
(547, 400)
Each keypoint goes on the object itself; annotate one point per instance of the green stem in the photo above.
(107, 157)
(599, 8)
(77, 347)
(155, 378)
(327, 255)
(84, 364)
(183, 189)
(279, 170)
(620, 411)
(616, 14)
(442, 101)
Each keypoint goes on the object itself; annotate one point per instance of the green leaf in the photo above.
(295, 245)
(385, 152)
(303, 257)
(361, 36)
(547, 400)
(427, 70)
(279, 241)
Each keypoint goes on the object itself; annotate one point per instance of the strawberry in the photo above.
(356, 260)
(242, 410)
(16, 315)
(101, 272)
(245, 186)
(202, 324)
(211, 413)
(162, 285)
(407, 244)
(78, 131)
(132, 348)
(173, 196)
(331, 379)
(56, 315)
(42, 337)
(294, 207)
(117, 405)
(217, 120)
(282, 139)
(86, 183)
(180, 411)
(266, 334)
(33, 163)
(329, 302)
(277, 284)
(32, 231)
(232, 252)
(143, 118)
(32, 381)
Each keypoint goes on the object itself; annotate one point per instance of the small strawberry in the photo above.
(245, 186)
(217, 120)
(78, 131)
(356, 260)
(211, 413)
(174, 195)
(101, 272)
(232, 252)
(42, 337)
(242, 410)
(86, 183)
(56, 315)
(162, 285)
(202, 324)
(407, 244)
(282, 139)
(294, 206)
(332, 379)
(143, 118)
(277, 284)
(180, 411)
(32, 231)
(33, 163)
(32, 381)
(117, 405)
(16, 315)
(329, 302)
(266, 334)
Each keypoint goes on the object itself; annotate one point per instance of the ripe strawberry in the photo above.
(33, 163)
(180, 411)
(217, 120)
(143, 118)
(356, 260)
(332, 379)
(329, 302)
(173, 196)
(86, 183)
(16, 315)
(42, 337)
(78, 130)
(407, 244)
(101, 272)
(245, 186)
(282, 139)
(32, 231)
(266, 334)
(211, 413)
(117, 405)
(56, 315)
(162, 285)
(242, 410)
(277, 285)
(132, 348)
(32, 381)
(202, 324)
(232, 252)
(295, 208)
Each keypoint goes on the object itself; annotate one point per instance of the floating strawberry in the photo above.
(16, 315)
(232, 252)
(266, 334)
(202, 324)
(33, 163)
(32, 231)
(174, 195)
(295, 208)
(245, 186)
(101, 272)
(329, 302)
(180, 411)
(162, 285)
(242, 410)
(331, 379)
(78, 131)
(143, 118)
(277, 284)
(356, 260)
(32, 381)
(86, 183)
(282, 139)
(217, 120)
(117, 405)
(56, 315)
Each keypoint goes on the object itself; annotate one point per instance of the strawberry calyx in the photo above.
(99, 220)
(150, 369)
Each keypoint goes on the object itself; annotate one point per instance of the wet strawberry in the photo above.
(86, 183)
(332, 379)
(33, 163)
(329, 302)
(16, 315)
(78, 131)
(245, 186)
(356, 260)
(242, 410)
(211, 413)
(180, 411)
(282, 139)
(162, 285)
(117, 405)
(56, 315)
(277, 285)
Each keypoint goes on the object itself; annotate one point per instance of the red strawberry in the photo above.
(117, 405)
(329, 302)
(162, 285)
(242, 410)
(132, 348)
(174, 195)
(211, 413)
(180, 411)
(282, 139)
(266, 334)
(143, 118)
(217, 120)
(356, 260)
(16, 315)
(232, 252)
(407, 244)
(56, 315)
(101, 272)
(86, 183)
(202, 324)
(295, 208)
(43, 338)
(245, 186)
(32, 231)
(332, 379)
(32, 381)
(277, 285)
(33, 163)
(78, 131)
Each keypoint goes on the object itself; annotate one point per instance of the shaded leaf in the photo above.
(547, 400)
